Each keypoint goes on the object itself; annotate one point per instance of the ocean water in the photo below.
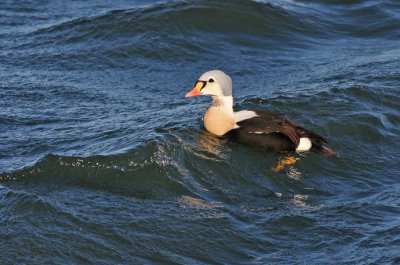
(103, 160)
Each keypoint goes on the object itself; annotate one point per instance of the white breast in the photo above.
(218, 120)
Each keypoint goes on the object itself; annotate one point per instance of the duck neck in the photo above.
(225, 102)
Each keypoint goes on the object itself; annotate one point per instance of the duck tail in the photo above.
(325, 151)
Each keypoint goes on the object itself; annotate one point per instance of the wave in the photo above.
(144, 172)
(202, 167)
(170, 18)
(167, 30)
(177, 33)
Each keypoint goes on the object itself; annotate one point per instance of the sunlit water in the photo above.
(103, 160)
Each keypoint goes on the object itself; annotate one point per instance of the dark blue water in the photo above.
(103, 160)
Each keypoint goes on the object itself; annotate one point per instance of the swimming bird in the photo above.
(260, 128)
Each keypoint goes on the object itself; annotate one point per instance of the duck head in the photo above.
(212, 83)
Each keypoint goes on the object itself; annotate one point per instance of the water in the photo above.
(104, 161)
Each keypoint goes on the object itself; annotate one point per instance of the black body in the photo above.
(276, 133)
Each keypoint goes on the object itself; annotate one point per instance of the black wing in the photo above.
(275, 129)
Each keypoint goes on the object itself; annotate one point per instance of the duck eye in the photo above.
(210, 80)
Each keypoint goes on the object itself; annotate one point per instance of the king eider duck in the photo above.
(252, 127)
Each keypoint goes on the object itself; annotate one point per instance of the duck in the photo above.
(267, 130)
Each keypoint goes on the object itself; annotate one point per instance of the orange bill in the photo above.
(196, 90)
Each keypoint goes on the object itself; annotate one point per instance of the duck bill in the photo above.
(196, 91)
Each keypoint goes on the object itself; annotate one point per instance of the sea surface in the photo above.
(103, 160)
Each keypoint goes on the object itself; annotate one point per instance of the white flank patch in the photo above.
(304, 145)
(244, 115)
(259, 132)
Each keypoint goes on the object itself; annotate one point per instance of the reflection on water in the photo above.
(293, 173)
(301, 200)
(305, 201)
(208, 210)
(188, 200)
(211, 144)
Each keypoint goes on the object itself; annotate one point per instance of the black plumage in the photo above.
(276, 133)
